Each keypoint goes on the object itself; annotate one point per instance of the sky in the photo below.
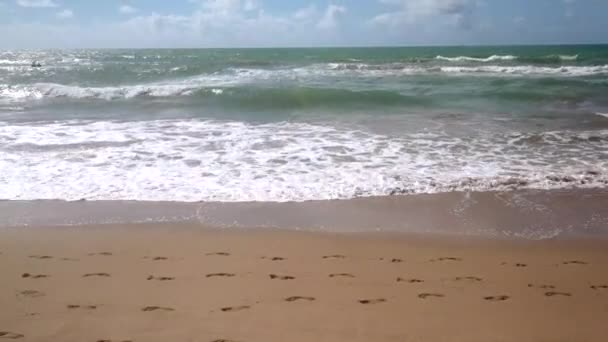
(283, 23)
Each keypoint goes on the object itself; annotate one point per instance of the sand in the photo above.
(162, 283)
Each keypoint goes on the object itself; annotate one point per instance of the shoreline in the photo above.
(535, 215)
(180, 282)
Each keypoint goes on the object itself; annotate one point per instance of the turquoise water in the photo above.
(300, 124)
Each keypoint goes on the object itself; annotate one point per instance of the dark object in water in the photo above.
(36, 64)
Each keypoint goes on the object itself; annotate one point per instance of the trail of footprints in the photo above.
(549, 290)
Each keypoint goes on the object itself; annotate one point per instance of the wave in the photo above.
(568, 57)
(312, 76)
(494, 58)
(477, 59)
(194, 160)
(605, 115)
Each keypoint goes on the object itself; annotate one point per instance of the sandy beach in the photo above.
(184, 283)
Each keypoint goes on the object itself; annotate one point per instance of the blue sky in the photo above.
(267, 23)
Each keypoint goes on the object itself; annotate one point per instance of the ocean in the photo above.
(282, 125)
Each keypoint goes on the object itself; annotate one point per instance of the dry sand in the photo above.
(152, 283)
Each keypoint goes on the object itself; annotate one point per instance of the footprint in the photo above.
(100, 254)
(544, 287)
(396, 261)
(521, 265)
(114, 341)
(473, 279)
(160, 258)
(430, 295)
(218, 254)
(223, 340)
(279, 277)
(496, 298)
(411, 281)
(85, 307)
(227, 275)
(562, 294)
(42, 257)
(69, 259)
(299, 298)
(160, 278)
(10, 335)
(235, 308)
(34, 276)
(88, 275)
(274, 258)
(156, 308)
(341, 275)
(574, 262)
(335, 256)
(447, 259)
(599, 287)
(31, 294)
(372, 301)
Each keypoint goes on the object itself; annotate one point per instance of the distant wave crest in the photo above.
(477, 59)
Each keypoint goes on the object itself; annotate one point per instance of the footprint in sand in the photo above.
(281, 277)
(31, 294)
(222, 275)
(223, 340)
(114, 341)
(341, 275)
(156, 308)
(471, 279)
(372, 301)
(41, 257)
(496, 298)
(102, 275)
(516, 265)
(446, 259)
(299, 298)
(158, 258)
(218, 254)
(430, 295)
(411, 281)
(544, 287)
(84, 307)
(160, 278)
(396, 261)
(335, 256)
(235, 308)
(69, 259)
(599, 287)
(10, 335)
(100, 254)
(34, 276)
(274, 258)
(558, 294)
(574, 262)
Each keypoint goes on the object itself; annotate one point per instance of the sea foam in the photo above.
(194, 160)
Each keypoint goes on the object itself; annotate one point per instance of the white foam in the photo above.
(477, 59)
(602, 114)
(192, 160)
(568, 57)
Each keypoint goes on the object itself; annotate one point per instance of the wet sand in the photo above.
(183, 283)
(525, 214)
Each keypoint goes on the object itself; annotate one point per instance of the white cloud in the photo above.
(235, 23)
(126, 9)
(330, 18)
(65, 14)
(412, 11)
(37, 3)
